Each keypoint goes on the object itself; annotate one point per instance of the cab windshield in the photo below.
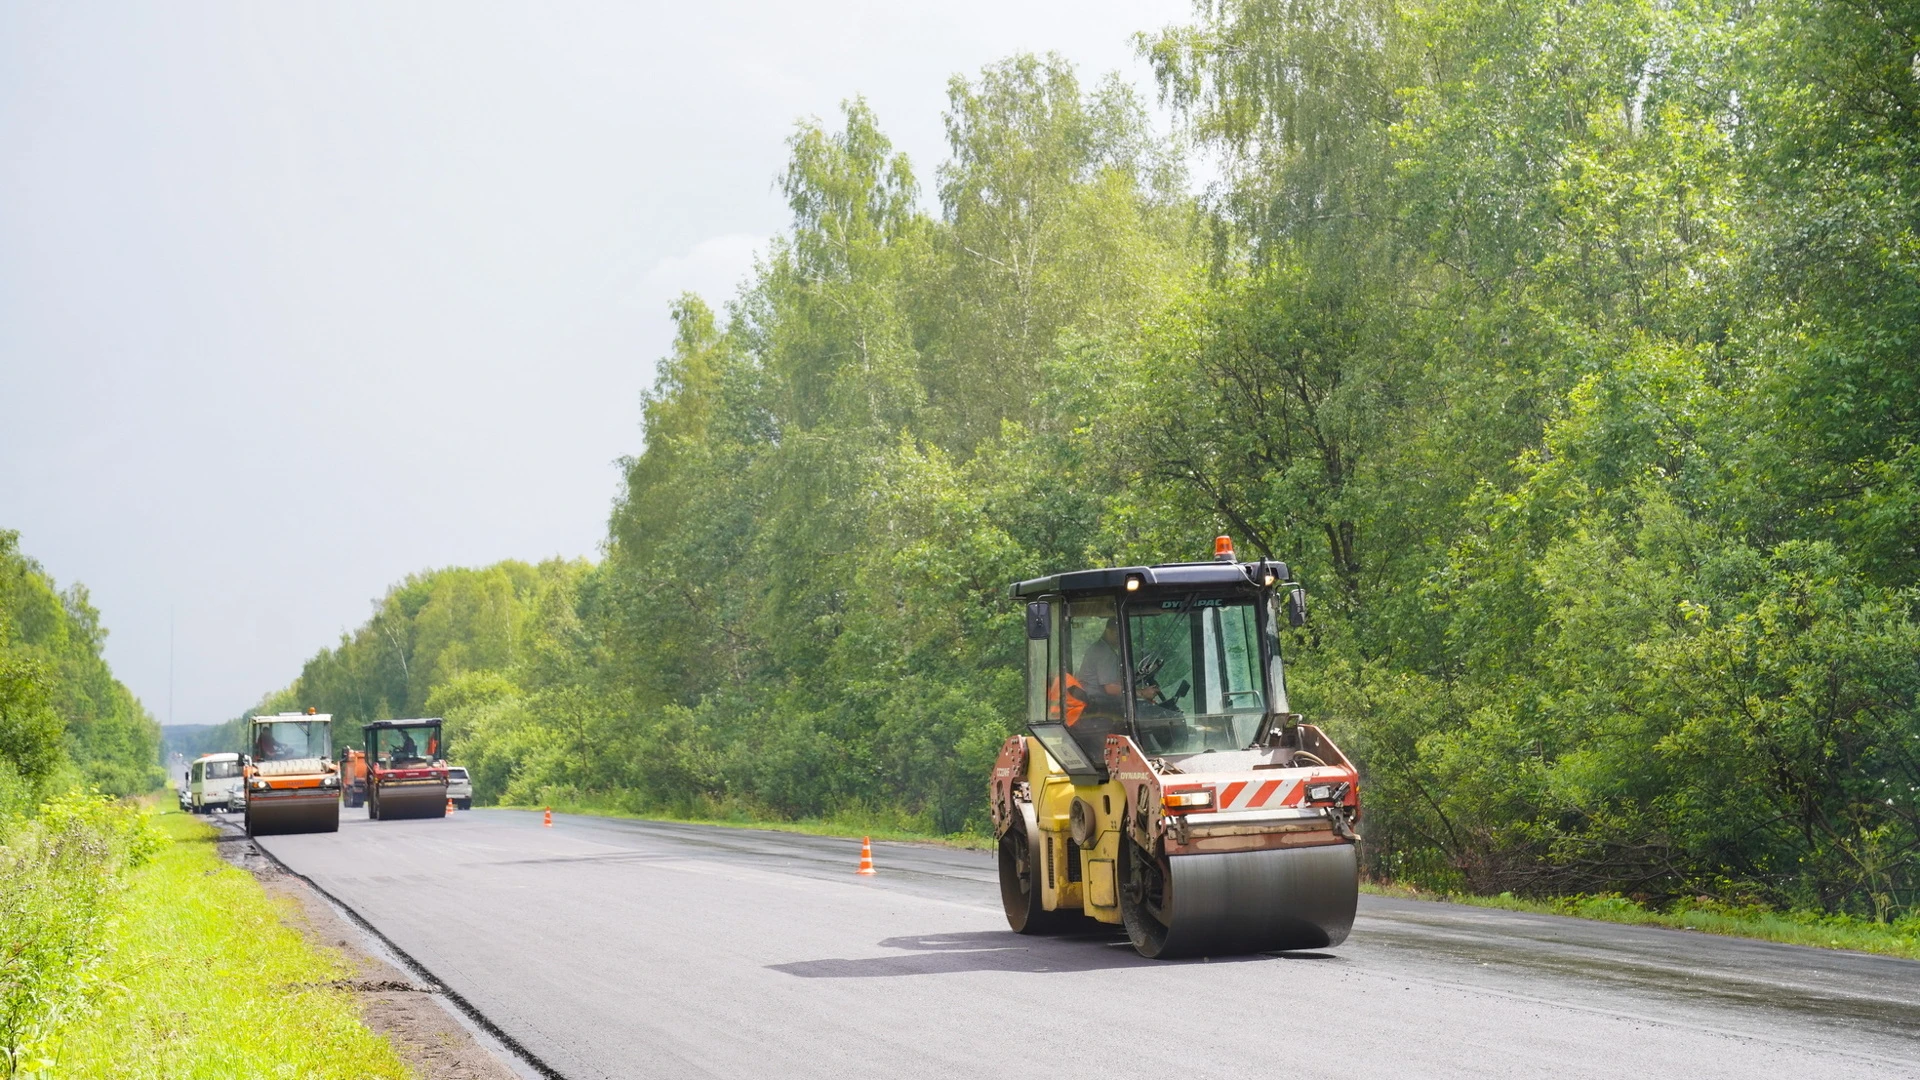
(220, 770)
(292, 740)
(1196, 673)
(399, 747)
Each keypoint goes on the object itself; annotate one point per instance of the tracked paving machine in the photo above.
(1163, 784)
(406, 762)
(291, 783)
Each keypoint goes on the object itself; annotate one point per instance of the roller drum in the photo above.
(277, 815)
(1252, 901)
(426, 801)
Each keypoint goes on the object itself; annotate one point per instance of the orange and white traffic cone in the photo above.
(866, 857)
(449, 806)
(549, 821)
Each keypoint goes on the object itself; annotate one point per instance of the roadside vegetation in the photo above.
(1564, 350)
(131, 951)
(68, 730)
(64, 876)
(200, 978)
(127, 948)
(65, 721)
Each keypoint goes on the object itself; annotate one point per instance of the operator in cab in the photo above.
(1101, 669)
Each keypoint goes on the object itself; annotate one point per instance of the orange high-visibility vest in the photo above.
(1076, 704)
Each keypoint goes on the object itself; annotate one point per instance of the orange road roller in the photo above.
(291, 782)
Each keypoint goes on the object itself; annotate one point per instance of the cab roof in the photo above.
(1179, 575)
(424, 722)
(274, 718)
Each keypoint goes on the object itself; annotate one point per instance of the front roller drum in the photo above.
(275, 816)
(1229, 903)
(394, 803)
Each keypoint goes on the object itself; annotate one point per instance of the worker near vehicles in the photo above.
(265, 748)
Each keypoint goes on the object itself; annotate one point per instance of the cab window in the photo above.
(1197, 673)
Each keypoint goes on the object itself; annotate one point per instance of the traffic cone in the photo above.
(866, 857)
(449, 806)
(549, 821)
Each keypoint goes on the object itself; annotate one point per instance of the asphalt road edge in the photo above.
(467, 1008)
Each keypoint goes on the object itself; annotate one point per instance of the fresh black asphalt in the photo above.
(614, 948)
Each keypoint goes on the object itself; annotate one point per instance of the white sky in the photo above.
(296, 299)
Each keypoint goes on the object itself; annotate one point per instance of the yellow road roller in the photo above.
(1162, 783)
(291, 782)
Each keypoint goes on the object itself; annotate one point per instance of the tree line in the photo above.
(1565, 350)
(65, 721)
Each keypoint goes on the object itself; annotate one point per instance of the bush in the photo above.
(62, 874)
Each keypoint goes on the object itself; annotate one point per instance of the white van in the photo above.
(214, 781)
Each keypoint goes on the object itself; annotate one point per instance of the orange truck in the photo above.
(353, 777)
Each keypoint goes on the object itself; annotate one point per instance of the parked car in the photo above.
(459, 787)
(214, 781)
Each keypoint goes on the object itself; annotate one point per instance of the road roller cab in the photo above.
(1163, 783)
(291, 783)
(406, 762)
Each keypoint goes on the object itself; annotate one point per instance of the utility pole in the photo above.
(169, 666)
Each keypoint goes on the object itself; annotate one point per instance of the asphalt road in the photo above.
(636, 949)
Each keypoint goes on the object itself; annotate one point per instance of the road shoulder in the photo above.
(395, 1005)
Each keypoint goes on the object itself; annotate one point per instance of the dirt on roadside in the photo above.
(393, 1003)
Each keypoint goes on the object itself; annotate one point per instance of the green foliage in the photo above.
(1564, 349)
(202, 977)
(59, 703)
(30, 731)
(62, 878)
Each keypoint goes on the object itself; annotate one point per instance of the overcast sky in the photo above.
(296, 299)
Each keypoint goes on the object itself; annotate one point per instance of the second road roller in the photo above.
(406, 763)
(1163, 784)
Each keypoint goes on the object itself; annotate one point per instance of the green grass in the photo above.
(1900, 938)
(205, 981)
